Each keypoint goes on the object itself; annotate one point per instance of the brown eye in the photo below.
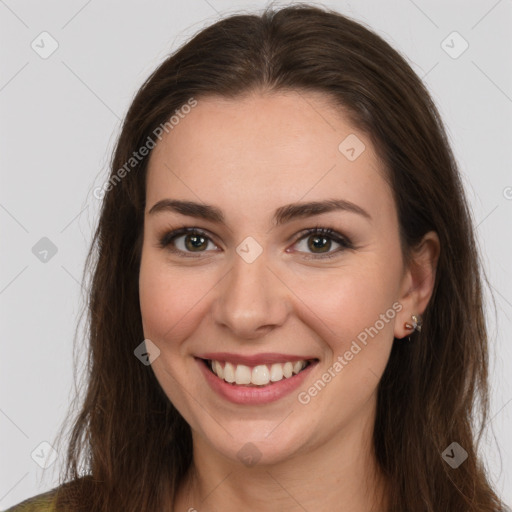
(195, 242)
(186, 240)
(318, 242)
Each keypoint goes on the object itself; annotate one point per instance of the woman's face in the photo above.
(254, 291)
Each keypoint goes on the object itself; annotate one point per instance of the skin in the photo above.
(248, 157)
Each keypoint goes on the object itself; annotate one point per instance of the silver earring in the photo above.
(416, 323)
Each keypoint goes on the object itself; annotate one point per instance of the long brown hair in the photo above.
(129, 447)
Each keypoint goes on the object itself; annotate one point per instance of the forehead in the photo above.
(252, 154)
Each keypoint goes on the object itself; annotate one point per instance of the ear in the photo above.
(418, 282)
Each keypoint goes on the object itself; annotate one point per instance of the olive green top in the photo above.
(40, 503)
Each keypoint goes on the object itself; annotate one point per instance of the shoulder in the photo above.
(41, 503)
(70, 496)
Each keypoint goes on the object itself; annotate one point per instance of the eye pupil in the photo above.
(318, 243)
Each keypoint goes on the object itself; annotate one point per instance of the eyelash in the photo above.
(168, 237)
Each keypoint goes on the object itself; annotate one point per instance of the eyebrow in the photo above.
(282, 215)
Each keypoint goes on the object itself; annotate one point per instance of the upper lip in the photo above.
(255, 359)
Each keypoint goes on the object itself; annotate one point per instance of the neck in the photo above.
(340, 474)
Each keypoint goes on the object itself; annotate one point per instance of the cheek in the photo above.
(342, 304)
(158, 309)
(170, 300)
(354, 315)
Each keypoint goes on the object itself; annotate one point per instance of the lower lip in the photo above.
(254, 394)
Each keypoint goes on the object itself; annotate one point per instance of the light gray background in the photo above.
(59, 120)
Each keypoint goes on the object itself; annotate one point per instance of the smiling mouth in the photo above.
(256, 376)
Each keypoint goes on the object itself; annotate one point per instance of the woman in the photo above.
(286, 306)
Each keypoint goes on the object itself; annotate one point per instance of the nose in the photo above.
(251, 300)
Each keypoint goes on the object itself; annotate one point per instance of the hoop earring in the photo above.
(416, 325)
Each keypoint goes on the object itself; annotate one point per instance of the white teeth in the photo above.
(217, 368)
(229, 372)
(298, 366)
(276, 372)
(242, 374)
(260, 375)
